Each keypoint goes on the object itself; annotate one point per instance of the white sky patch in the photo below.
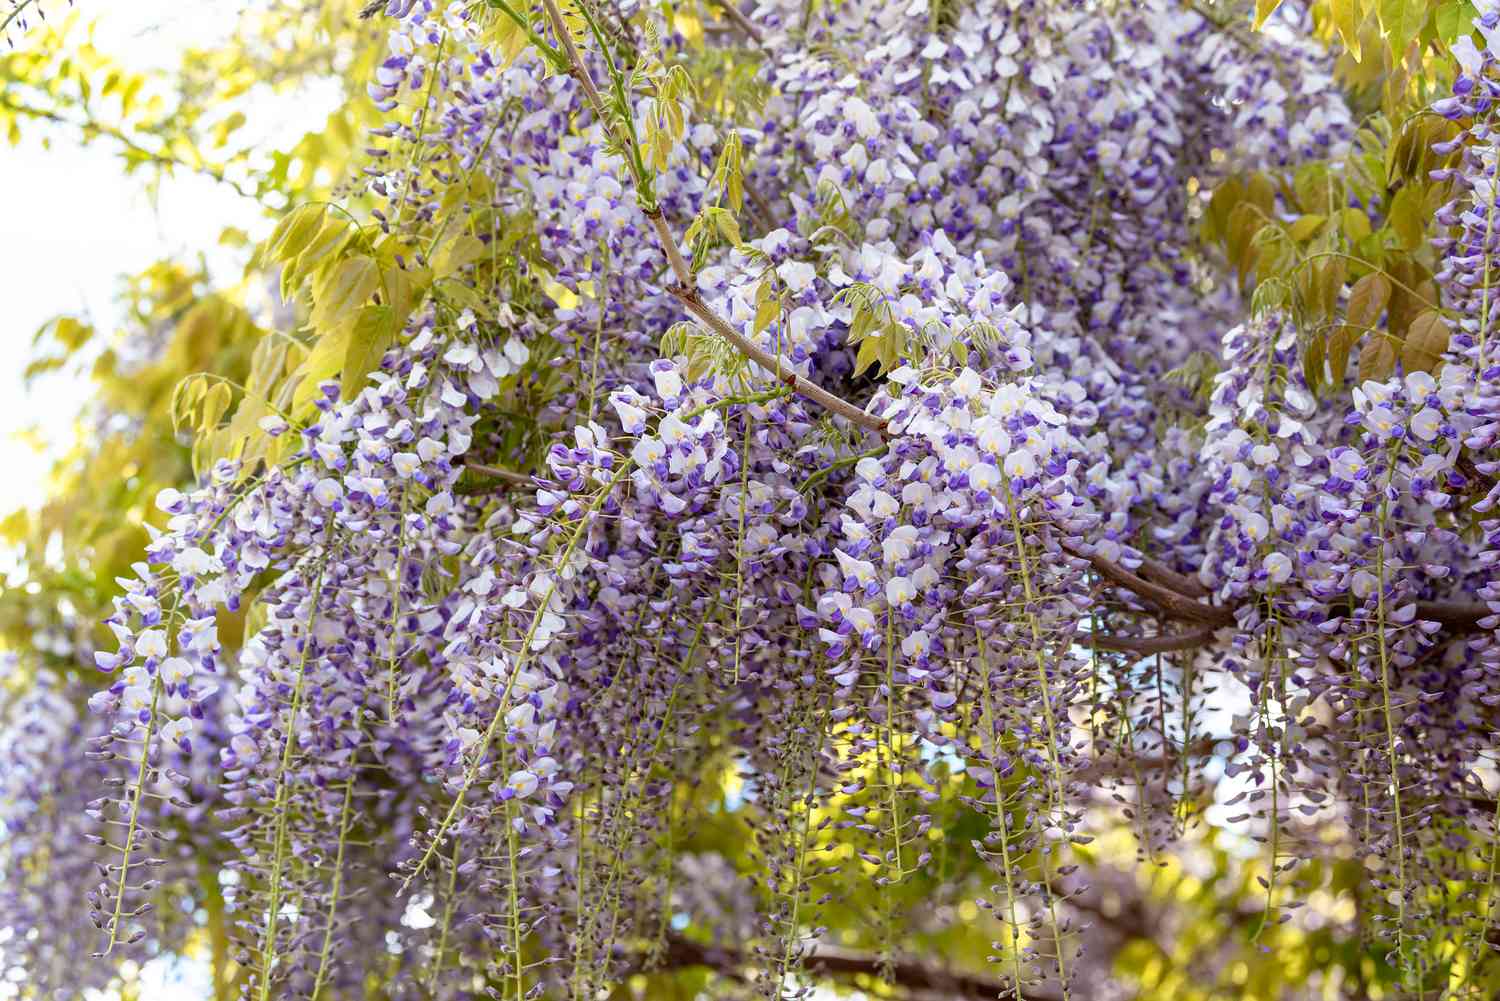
(74, 224)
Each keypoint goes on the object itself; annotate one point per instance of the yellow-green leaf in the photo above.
(343, 289)
(1273, 252)
(1400, 20)
(1406, 218)
(1347, 15)
(1226, 196)
(1454, 19)
(406, 286)
(1325, 282)
(326, 360)
(1245, 221)
(561, 294)
(71, 332)
(185, 399)
(294, 232)
(463, 297)
(881, 350)
(1356, 224)
(1312, 362)
(215, 403)
(766, 308)
(373, 331)
(1407, 274)
(1314, 191)
(323, 247)
(267, 362)
(869, 354)
(1263, 10)
(1260, 191)
(1306, 227)
(1340, 343)
(728, 225)
(455, 253)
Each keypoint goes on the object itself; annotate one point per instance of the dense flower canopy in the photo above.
(939, 417)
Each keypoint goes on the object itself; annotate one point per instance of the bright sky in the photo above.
(72, 224)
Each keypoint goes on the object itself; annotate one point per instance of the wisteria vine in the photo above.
(836, 444)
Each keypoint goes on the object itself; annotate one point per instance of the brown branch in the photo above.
(746, 25)
(1460, 615)
(1177, 602)
(775, 363)
(1113, 765)
(1166, 599)
(1163, 643)
(912, 976)
(1159, 573)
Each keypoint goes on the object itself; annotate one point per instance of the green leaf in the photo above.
(1263, 10)
(1454, 20)
(1400, 21)
(1347, 15)
(373, 332)
(456, 253)
(215, 402)
(294, 232)
(1406, 218)
(342, 290)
